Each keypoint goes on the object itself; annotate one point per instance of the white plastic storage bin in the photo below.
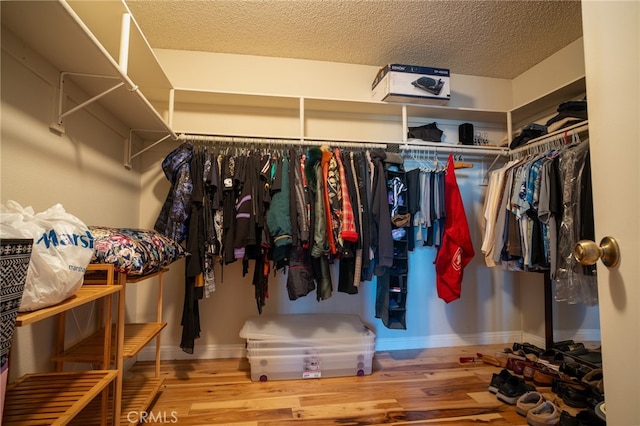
(300, 346)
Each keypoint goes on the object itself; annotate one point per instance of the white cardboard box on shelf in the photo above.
(301, 346)
(412, 84)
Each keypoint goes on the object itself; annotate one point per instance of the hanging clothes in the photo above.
(430, 213)
(537, 208)
(299, 211)
(456, 250)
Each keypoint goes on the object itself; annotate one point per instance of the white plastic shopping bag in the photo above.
(62, 250)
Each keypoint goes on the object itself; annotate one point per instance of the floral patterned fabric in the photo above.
(134, 251)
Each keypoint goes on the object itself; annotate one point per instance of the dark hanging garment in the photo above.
(263, 265)
(228, 202)
(587, 222)
(196, 239)
(346, 272)
(245, 238)
(210, 189)
(364, 186)
(538, 258)
(572, 284)
(213, 182)
(301, 203)
(173, 217)
(278, 219)
(293, 211)
(300, 280)
(209, 209)
(320, 268)
(196, 246)
(319, 248)
(313, 170)
(383, 243)
(412, 178)
(190, 316)
(261, 279)
(348, 236)
(433, 194)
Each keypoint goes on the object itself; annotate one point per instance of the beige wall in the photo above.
(563, 66)
(82, 170)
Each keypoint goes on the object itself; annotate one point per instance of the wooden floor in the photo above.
(409, 387)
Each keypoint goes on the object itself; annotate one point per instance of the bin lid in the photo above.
(305, 326)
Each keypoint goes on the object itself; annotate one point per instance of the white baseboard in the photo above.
(447, 340)
(585, 335)
(200, 352)
(382, 344)
(591, 335)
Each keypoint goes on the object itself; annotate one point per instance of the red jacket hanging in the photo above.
(456, 250)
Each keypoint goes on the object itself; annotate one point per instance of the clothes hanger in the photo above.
(424, 160)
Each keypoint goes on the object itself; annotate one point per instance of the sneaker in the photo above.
(497, 380)
(545, 414)
(528, 401)
(512, 389)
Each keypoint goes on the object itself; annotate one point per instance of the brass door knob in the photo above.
(588, 252)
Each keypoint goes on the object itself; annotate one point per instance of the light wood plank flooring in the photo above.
(409, 387)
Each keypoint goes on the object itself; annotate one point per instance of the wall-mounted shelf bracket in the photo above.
(58, 123)
(128, 145)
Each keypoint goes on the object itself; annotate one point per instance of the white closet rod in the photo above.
(276, 141)
(550, 137)
(445, 148)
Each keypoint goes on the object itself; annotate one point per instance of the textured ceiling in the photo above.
(484, 38)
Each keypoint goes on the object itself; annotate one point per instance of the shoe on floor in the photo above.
(567, 419)
(497, 380)
(574, 397)
(528, 401)
(583, 418)
(595, 379)
(512, 389)
(545, 414)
